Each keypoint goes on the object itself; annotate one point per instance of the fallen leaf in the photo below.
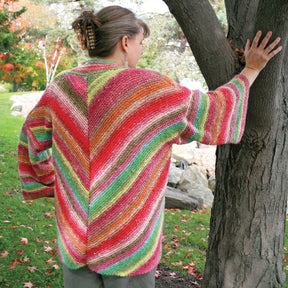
(24, 241)
(49, 272)
(167, 255)
(47, 249)
(32, 268)
(7, 193)
(19, 252)
(49, 214)
(173, 275)
(196, 284)
(28, 285)
(26, 259)
(51, 261)
(5, 254)
(14, 263)
(56, 267)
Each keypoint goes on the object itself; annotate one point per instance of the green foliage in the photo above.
(9, 43)
(220, 10)
(161, 51)
(9, 38)
(166, 49)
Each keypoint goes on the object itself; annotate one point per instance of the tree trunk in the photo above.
(15, 86)
(248, 216)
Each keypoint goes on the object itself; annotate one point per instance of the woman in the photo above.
(111, 128)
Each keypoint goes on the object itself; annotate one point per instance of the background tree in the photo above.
(248, 216)
(10, 36)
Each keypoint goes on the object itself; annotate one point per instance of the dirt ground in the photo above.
(169, 279)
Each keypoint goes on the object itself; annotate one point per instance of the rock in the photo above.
(17, 108)
(212, 183)
(174, 175)
(203, 194)
(184, 152)
(25, 101)
(175, 198)
(194, 153)
(195, 184)
(193, 176)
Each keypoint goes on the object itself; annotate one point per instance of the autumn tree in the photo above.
(248, 216)
(10, 36)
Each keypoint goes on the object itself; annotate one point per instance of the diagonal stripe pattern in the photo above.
(100, 141)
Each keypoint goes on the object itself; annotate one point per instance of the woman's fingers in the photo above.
(274, 52)
(273, 45)
(248, 44)
(256, 39)
(265, 40)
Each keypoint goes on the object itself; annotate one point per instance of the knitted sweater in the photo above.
(111, 130)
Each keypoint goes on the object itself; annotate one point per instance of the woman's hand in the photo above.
(257, 55)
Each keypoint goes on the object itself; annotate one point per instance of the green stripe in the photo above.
(101, 203)
(137, 255)
(60, 163)
(100, 81)
(201, 116)
(240, 111)
(95, 72)
(39, 157)
(67, 259)
(42, 134)
(32, 185)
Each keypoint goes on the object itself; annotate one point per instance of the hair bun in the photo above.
(85, 26)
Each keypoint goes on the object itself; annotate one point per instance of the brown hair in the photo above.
(99, 33)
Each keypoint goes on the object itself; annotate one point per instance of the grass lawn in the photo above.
(28, 249)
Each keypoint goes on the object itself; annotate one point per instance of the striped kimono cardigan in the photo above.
(99, 141)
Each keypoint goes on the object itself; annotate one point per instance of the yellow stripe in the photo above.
(129, 183)
(100, 81)
(72, 174)
(148, 255)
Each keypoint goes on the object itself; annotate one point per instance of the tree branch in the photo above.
(208, 42)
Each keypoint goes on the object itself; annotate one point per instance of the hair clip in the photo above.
(91, 41)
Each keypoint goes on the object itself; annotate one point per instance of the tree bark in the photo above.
(248, 216)
(206, 39)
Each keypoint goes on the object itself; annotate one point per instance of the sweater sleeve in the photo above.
(217, 117)
(34, 154)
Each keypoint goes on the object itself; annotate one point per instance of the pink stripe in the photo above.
(129, 195)
(129, 252)
(78, 85)
(120, 168)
